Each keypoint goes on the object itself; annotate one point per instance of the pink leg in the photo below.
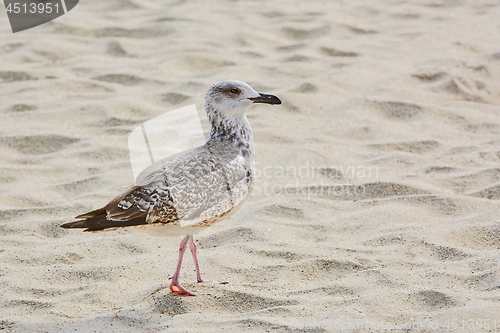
(175, 286)
(192, 247)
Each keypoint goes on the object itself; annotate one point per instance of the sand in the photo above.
(378, 197)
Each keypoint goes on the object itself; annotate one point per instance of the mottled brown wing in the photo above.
(128, 209)
(190, 188)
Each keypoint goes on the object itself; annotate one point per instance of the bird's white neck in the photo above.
(231, 129)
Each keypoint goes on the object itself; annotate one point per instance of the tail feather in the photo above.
(99, 222)
(114, 215)
(94, 213)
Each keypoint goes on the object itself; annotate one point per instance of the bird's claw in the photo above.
(180, 290)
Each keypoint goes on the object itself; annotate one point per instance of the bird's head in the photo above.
(234, 98)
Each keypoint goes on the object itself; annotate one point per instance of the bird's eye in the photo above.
(234, 91)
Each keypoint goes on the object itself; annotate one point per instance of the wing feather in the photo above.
(190, 189)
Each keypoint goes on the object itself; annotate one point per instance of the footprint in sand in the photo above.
(399, 110)
(37, 144)
(10, 76)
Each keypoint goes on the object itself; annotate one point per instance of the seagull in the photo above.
(194, 190)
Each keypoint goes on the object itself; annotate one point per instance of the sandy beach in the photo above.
(377, 205)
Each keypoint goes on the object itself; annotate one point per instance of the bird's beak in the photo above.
(265, 98)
